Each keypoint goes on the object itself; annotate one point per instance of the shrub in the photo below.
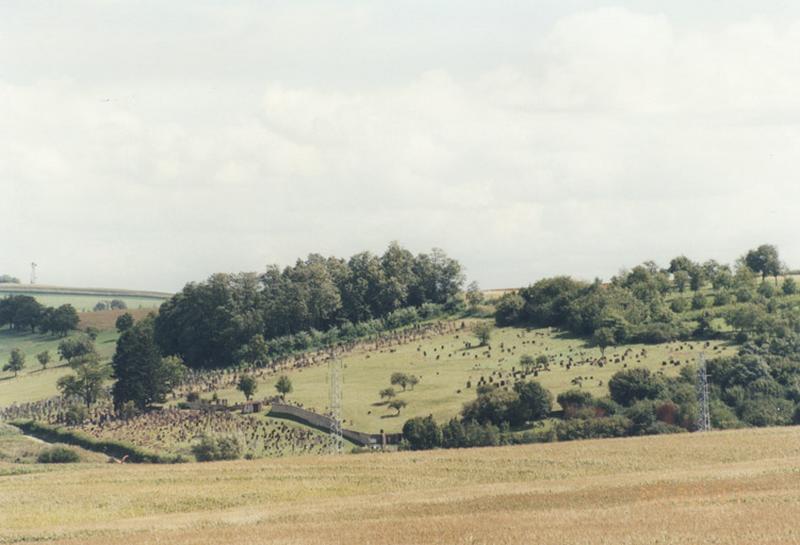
(679, 305)
(631, 385)
(723, 297)
(211, 448)
(75, 415)
(422, 433)
(699, 301)
(592, 428)
(767, 411)
(58, 455)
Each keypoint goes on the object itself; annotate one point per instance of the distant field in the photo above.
(366, 373)
(33, 383)
(733, 487)
(84, 299)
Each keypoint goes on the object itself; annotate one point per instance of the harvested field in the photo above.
(735, 487)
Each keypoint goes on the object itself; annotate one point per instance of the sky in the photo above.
(145, 144)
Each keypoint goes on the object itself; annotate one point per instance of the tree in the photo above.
(474, 295)
(124, 322)
(62, 320)
(789, 286)
(141, 374)
(509, 309)
(412, 381)
(526, 360)
(631, 385)
(118, 304)
(16, 362)
(397, 405)
(482, 330)
(43, 358)
(387, 393)
(283, 386)
(534, 403)
(92, 332)
(247, 385)
(87, 382)
(603, 338)
(75, 347)
(681, 279)
(400, 379)
(422, 433)
(496, 407)
(764, 260)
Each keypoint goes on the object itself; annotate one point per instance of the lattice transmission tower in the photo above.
(704, 414)
(335, 380)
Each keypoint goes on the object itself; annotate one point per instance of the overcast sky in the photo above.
(144, 144)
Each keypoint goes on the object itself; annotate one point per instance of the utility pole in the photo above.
(704, 415)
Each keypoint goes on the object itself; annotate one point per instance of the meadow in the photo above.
(444, 368)
(83, 300)
(33, 383)
(731, 487)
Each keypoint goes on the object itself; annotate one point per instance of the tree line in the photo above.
(23, 312)
(212, 323)
(645, 304)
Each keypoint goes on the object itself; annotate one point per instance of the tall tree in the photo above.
(764, 260)
(142, 375)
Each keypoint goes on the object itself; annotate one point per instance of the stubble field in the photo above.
(733, 487)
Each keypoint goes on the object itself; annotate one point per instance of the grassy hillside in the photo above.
(33, 383)
(736, 487)
(18, 448)
(447, 367)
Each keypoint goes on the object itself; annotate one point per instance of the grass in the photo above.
(32, 383)
(735, 487)
(83, 300)
(442, 389)
(18, 448)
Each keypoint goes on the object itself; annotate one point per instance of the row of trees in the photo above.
(208, 324)
(640, 305)
(23, 312)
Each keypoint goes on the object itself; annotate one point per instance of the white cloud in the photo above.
(617, 137)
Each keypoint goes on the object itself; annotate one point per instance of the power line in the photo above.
(704, 414)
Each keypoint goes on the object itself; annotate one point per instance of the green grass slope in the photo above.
(442, 390)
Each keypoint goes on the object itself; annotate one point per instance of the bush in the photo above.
(679, 305)
(212, 448)
(58, 455)
(631, 385)
(592, 428)
(723, 297)
(75, 415)
(789, 286)
(699, 301)
(767, 411)
(422, 433)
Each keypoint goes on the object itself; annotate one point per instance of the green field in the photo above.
(32, 383)
(84, 299)
(367, 372)
(733, 487)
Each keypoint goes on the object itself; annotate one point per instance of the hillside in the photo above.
(444, 368)
(734, 487)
